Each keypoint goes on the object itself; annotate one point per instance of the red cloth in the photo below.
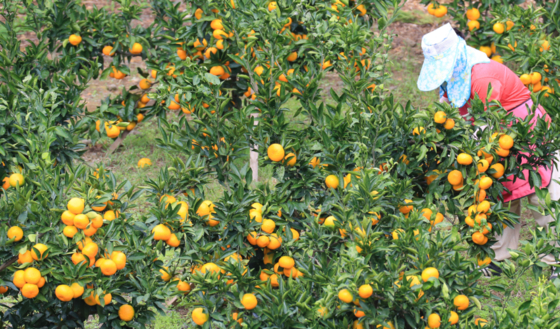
(507, 88)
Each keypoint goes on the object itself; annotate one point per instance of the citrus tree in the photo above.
(71, 247)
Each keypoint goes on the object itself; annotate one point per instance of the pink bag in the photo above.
(521, 188)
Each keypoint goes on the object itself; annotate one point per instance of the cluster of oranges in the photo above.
(437, 10)
(30, 280)
(162, 232)
(276, 153)
(113, 130)
(535, 81)
(89, 223)
(108, 263)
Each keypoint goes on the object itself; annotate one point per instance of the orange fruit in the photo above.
(536, 77)
(165, 275)
(81, 221)
(173, 241)
(479, 238)
(478, 218)
(161, 232)
(499, 170)
(97, 222)
(345, 296)
(136, 49)
(487, 50)
(16, 179)
(418, 131)
(15, 233)
(69, 231)
(42, 251)
(107, 51)
(183, 286)
(77, 290)
(332, 181)
(126, 312)
(405, 209)
(252, 238)
(479, 321)
(461, 302)
(473, 25)
(434, 320)
(90, 250)
(108, 267)
(275, 242)
(6, 183)
(464, 159)
(485, 261)
(275, 152)
(509, 25)
(483, 207)
(501, 152)
(110, 215)
(430, 272)
(286, 262)
(480, 196)
(263, 241)
(268, 226)
(32, 275)
(292, 159)
(473, 14)
(198, 316)
(526, 79)
(441, 11)
(485, 183)
(272, 5)
(90, 300)
(455, 177)
(487, 228)
(30, 290)
(25, 257)
(107, 298)
(219, 34)
(205, 208)
(77, 258)
(74, 39)
(19, 279)
(483, 165)
(217, 70)
(329, 221)
(506, 142)
(365, 291)
(119, 258)
(499, 28)
(449, 124)
(64, 293)
(76, 205)
(145, 84)
(216, 24)
(249, 301)
(440, 117)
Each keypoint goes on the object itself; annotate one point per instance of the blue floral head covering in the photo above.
(447, 58)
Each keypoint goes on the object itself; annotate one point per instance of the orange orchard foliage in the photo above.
(364, 224)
